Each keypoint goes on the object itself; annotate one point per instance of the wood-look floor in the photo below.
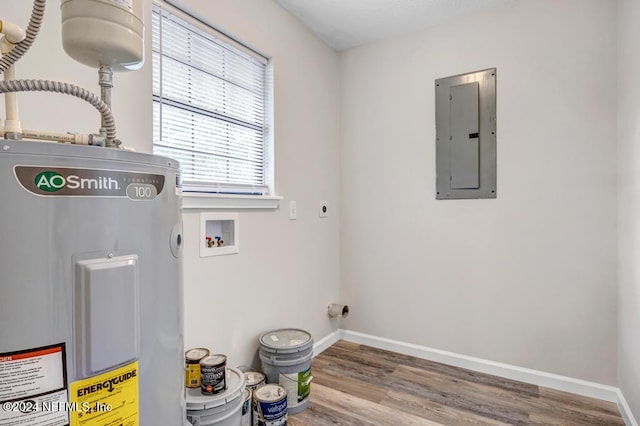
(360, 385)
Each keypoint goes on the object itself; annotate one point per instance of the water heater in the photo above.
(91, 311)
(104, 32)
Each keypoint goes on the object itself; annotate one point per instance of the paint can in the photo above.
(270, 406)
(213, 378)
(254, 379)
(222, 409)
(246, 407)
(192, 372)
(286, 359)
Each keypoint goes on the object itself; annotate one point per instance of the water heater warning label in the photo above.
(33, 387)
(66, 181)
(110, 399)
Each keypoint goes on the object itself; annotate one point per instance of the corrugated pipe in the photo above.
(67, 89)
(32, 31)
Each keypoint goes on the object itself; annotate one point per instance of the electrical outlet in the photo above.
(293, 210)
(323, 211)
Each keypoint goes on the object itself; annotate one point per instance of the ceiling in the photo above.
(344, 24)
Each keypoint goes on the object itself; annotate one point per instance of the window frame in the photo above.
(217, 194)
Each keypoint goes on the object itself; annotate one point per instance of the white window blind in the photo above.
(209, 106)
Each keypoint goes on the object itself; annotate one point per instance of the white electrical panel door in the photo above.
(464, 136)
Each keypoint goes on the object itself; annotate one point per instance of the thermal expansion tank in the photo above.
(91, 303)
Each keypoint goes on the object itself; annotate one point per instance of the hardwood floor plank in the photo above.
(343, 344)
(365, 411)
(350, 385)
(461, 373)
(463, 389)
(505, 400)
(551, 420)
(436, 412)
(568, 415)
(470, 404)
(318, 414)
(580, 402)
(340, 366)
(361, 358)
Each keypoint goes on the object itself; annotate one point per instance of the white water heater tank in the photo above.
(104, 32)
(91, 313)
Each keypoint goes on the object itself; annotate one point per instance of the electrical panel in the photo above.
(466, 136)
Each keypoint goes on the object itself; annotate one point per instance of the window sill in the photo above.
(191, 200)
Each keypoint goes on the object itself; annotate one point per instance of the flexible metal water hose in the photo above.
(32, 31)
(67, 89)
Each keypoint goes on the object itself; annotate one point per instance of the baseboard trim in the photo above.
(625, 410)
(324, 343)
(540, 378)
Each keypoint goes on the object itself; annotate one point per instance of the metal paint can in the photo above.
(192, 372)
(270, 406)
(213, 377)
(254, 379)
(246, 407)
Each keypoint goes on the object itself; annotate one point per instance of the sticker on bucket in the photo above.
(297, 385)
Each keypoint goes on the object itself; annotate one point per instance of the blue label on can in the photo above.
(273, 410)
(245, 407)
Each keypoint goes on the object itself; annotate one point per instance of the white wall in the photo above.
(47, 60)
(528, 278)
(629, 200)
(287, 271)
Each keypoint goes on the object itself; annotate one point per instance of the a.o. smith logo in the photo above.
(53, 181)
(61, 181)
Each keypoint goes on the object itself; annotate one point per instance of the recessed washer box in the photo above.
(219, 234)
(466, 136)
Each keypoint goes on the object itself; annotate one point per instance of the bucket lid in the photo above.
(286, 340)
(235, 385)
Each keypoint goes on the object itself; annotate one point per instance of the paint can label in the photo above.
(270, 406)
(270, 414)
(213, 378)
(192, 376)
(298, 386)
(192, 360)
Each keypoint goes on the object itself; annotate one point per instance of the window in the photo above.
(211, 99)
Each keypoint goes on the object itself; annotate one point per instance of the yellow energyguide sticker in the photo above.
(110, 399)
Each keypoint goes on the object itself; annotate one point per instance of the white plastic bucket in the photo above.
(223, 409)
(286, 360)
